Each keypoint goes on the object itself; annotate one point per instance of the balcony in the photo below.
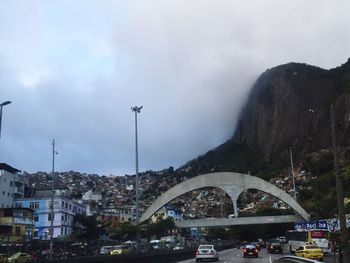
(18, 190)
(6, 221)
(23, 221)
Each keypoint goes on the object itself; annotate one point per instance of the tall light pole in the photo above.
(2, 105)
(293, 177)
(137, 110)
(54, 152)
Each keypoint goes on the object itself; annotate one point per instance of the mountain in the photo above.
(289, 109)
(290, 106)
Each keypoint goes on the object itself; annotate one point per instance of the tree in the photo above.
(125, 231)
(87, 228)
(161, 228)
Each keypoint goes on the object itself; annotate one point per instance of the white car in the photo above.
(206, 252)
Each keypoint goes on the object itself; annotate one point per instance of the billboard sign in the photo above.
(319, 224)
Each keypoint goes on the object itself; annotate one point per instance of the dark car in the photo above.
(250, 251)
(275, 248)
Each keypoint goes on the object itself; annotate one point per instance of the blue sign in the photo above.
(320, 224)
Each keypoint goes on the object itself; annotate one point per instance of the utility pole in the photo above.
(52, 198)
(340, 193)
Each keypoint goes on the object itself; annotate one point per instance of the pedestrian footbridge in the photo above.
(233, 184)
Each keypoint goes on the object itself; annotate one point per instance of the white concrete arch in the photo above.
(232, 183)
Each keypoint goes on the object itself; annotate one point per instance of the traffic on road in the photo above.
(239, 255)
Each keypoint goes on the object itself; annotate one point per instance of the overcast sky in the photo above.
(73, 69)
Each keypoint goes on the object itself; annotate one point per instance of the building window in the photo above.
(70, 207)
(50, 215)
(36, 218)
(62, 203)
(3, 192)
(34, 205)
(18, 231)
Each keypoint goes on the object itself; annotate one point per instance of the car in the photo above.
(275, 248)
(282, 239)
(242, 244)
(20, 257)
(310, 252)
(206, 252)
(120, 250)
(256, 244)
(250, 251)
(3, 258)
(178, 247)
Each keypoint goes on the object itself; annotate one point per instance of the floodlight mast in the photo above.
(1, 106)
(137, 110)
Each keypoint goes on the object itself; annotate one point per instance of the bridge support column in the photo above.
(235, 210)
(233, 193)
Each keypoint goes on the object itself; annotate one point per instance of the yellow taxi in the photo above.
(120, 250)
(20, 257)
(310, 252)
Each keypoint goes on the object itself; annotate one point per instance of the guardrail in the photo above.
(294, 259)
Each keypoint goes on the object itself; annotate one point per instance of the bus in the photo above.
(301, 237)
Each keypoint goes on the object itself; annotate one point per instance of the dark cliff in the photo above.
(289, 106)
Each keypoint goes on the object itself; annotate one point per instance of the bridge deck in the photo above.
(211, 222)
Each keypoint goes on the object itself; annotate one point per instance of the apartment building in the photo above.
(64, 210)
(11, 185)
(16, 224)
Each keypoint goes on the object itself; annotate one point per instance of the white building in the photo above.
(92, 199)
(11, 185)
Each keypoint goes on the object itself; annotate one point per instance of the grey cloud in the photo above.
(190, 64)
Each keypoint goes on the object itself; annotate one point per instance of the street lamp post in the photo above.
(137, 110)
(52, 198)
(2, 105)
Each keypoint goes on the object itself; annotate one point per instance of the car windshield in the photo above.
(206, 247)
(250, 246)
(311, 247)
(119, 247)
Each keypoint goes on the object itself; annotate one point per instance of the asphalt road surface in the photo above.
(236, 255)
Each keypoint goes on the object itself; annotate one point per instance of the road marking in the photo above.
(270, 259)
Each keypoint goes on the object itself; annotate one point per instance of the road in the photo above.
(235, 255)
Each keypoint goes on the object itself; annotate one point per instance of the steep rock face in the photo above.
(289, 106)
